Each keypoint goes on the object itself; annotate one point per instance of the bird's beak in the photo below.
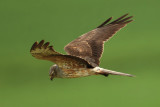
(51, 77)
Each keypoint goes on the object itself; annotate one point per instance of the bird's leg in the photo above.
(105, 72)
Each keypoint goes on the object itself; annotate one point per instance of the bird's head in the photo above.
(53, 71)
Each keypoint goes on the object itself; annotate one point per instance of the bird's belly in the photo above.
(75, 73)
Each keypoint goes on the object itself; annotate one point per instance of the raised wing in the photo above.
(46, 52)
(89, 46)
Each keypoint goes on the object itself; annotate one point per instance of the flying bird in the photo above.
(83, 54)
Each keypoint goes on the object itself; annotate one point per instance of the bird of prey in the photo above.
(83, 54)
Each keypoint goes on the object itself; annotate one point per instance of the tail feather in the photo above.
(106, 72)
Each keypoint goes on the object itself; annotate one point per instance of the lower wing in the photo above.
(43, 51)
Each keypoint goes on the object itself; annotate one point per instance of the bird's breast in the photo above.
(75, 73)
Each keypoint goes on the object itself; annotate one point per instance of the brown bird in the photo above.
(84, 53)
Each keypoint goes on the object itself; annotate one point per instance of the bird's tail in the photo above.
(106, 72)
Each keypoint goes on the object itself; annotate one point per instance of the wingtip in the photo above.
(128, 21)
(123, 19)
(126, 14)
(110, 18)
(42, 40)
(105, 22)
(51, 48)
(34, 46)
(40, 44)
(46, 45)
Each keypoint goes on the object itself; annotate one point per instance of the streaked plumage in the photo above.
(84, 53)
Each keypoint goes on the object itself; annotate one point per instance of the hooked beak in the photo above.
(51, 77)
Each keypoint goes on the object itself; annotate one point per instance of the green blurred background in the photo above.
(24, 80)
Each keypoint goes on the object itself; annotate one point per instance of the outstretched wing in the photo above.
(89, 46)
(46, 52)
